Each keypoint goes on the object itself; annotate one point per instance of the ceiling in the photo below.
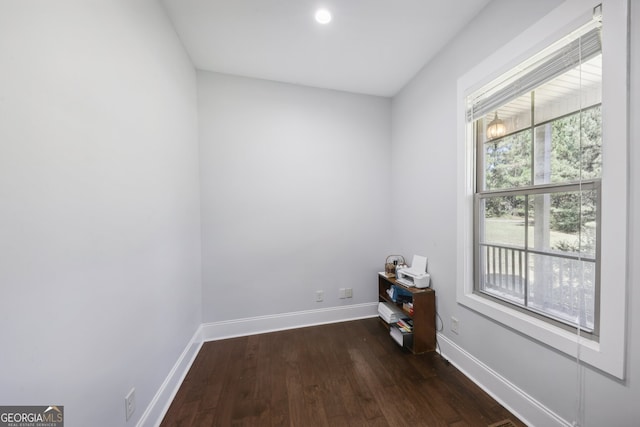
(371, 46)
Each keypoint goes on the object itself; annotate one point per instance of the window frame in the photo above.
(608, 352)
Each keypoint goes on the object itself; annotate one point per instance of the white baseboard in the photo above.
(278, 322)
(160, 403)
(519, 403)
(154, 413)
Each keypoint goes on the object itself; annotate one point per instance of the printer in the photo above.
(416, 275)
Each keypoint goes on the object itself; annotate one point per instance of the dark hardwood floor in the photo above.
(342, 374)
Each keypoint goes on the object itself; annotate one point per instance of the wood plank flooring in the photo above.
(342, 374)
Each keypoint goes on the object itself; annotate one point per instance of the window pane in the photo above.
(591, 146)
(507, 161)
(576, 89)
(564, 222)
(569, 149)
(516, 116)
(562, 288)
(502, 272)
(504, 220)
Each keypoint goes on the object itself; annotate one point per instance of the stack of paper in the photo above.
(390, 313)
(397, 336)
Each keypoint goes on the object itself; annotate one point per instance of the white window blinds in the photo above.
(575, 50)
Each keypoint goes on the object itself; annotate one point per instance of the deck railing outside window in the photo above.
(564, 288)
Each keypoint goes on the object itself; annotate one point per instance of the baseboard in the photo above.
(522, 405)
(160, 403)
(278, 322)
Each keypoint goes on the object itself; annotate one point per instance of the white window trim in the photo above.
(607, 354)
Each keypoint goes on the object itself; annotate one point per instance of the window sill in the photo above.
(542, 331)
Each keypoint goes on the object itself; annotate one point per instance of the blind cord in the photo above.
(579, 421)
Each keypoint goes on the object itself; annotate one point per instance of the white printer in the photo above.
(416, 275)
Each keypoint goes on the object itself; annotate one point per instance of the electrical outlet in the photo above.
(130, 403)
(454, 325)
(348, 293)
(343, 293)
(319, 296)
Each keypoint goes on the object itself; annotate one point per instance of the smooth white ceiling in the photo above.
(372, 46)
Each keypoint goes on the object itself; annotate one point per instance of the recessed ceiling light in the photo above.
(323, 16)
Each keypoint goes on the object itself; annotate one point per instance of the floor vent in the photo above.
(503, 423)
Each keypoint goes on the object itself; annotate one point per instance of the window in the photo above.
(524, 171)
(538, 138)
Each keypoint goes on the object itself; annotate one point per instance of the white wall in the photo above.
(424, 161)
(295, 190)
(99, 205)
